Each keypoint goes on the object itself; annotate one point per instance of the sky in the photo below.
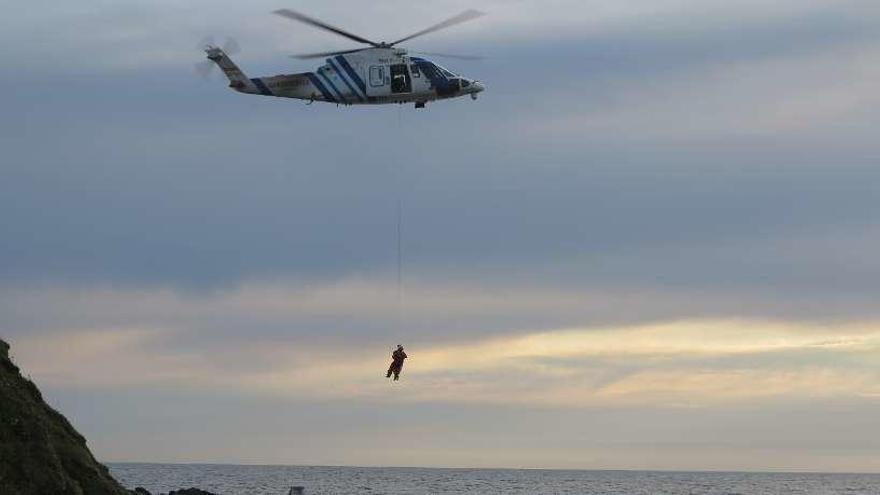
(649, 244)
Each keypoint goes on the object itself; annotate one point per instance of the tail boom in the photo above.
(237, 79)
(301, 86)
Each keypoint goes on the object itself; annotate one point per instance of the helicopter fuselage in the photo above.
(367, 77)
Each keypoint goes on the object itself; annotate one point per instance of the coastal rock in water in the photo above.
(40, 452)
(190, 491)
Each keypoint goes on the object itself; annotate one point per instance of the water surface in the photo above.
(276, 480)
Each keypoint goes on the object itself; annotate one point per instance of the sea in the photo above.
(277, 480)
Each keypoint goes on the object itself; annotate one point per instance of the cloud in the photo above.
(661, 217)
(654, 143)
(683, 363)
(99, 36)
(797, 96)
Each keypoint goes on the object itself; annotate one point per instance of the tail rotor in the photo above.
(206, 67)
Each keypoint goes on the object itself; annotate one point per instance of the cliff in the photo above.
(40, 452)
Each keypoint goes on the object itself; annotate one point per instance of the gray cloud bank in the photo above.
(660, 161)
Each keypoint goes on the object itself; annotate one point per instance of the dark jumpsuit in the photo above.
(397, 358)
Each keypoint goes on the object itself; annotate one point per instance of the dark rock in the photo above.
(5, 363)
(190, 491)
(40, 451)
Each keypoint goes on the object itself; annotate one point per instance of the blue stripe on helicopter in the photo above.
(342, 76)
(352, 74)
(261, 86)
(317, 83)
(341, 98)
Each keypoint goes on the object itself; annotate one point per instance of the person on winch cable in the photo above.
(396, 367)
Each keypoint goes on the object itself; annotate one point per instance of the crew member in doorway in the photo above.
(396, 367)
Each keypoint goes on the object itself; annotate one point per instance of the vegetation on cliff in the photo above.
(40, 452)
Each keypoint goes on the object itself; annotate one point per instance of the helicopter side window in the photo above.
(415, 70)
(377, 76)
(400, 80)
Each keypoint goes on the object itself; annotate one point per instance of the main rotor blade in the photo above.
(465, 16)
(450, 55)
(306, 56)
(322, 25)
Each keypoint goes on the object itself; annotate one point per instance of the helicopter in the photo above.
(380, 73)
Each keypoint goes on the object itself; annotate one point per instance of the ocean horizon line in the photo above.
(781, 471)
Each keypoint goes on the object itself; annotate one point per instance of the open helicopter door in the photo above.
(401, 82)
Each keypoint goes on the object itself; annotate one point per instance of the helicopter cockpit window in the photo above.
(377, 76)
(400, 80)
(429, 71)
(434, 72)
(446, 73)
(415, 70)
